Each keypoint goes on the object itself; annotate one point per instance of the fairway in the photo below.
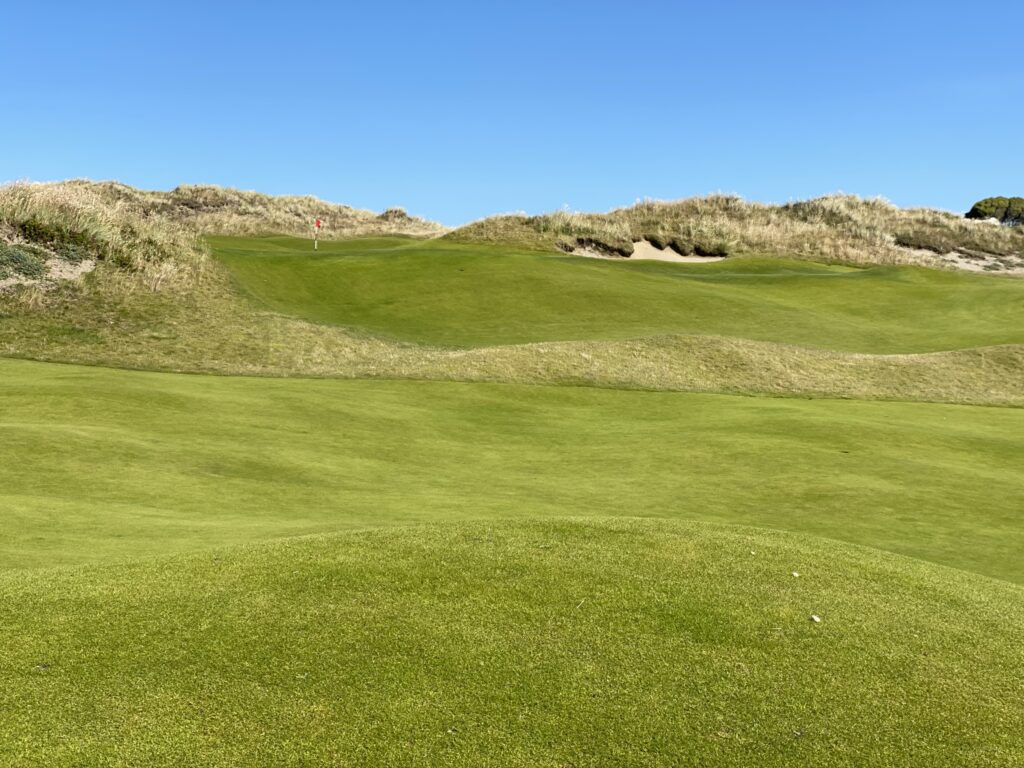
(439, 292)
(536, 643)
(102, 464)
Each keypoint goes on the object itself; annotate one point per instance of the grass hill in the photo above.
(552, 643)
(436, 309)
(208, 209)
(442, 293)
(835, 228)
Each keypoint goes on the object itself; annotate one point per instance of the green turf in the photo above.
(101, 464)
(444, 293)
(555, 643)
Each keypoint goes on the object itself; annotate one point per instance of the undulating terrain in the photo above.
(435, 497)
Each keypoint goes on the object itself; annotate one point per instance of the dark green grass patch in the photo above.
(20, 262)
(100, 464)
(558, 643)
(439, 292)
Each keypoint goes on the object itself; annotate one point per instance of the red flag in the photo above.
(318, 223)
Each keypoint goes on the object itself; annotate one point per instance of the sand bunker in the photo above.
(644, 250)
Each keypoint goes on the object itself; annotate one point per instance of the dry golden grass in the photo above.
(835, 228)
(224, 211)
(159, 234)
(77, 220)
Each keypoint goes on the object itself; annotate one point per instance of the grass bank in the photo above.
(116, 318)
(433, 292)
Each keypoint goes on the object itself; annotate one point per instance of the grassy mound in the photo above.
(100, 213)
(632, 643)
(437, 293)
(73, 222)
(102, 464)
(841, 228)
(117, 319)
(157, 234)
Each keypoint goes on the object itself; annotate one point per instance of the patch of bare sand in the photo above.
(56, 270)
(988, 264)
(646, 251)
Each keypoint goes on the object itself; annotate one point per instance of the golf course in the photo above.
(414, 499)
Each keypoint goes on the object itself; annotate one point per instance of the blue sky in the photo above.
(459, 110)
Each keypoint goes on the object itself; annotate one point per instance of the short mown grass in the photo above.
(436, 292)
(101, 464)
(535, 643)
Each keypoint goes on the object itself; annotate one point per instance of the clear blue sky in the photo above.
(458, 110)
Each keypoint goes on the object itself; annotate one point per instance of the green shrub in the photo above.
(73, 245)
(1008, 210)
(20, 261)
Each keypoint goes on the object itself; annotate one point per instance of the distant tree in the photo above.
(1009, 210)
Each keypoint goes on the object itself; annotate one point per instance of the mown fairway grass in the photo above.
(439, 292)
(102, 464)
(554, 643)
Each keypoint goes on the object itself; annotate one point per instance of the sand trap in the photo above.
(642, 249)
(645, 251)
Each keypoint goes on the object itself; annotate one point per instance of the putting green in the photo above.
(438, 292)
(102, 464)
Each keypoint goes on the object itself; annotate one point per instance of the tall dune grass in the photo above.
(154, 239)
(75, 221)
(842, 228)
(224, 211)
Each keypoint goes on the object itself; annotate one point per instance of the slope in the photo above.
(436, 292)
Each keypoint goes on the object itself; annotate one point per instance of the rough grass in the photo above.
(74, 221)
(210, 209)
(158, 234)
(584, 643)
(840, 228)
(102, 464)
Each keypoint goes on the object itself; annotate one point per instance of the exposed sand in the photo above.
(645, 251)
(56, 269)
(987, 264)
